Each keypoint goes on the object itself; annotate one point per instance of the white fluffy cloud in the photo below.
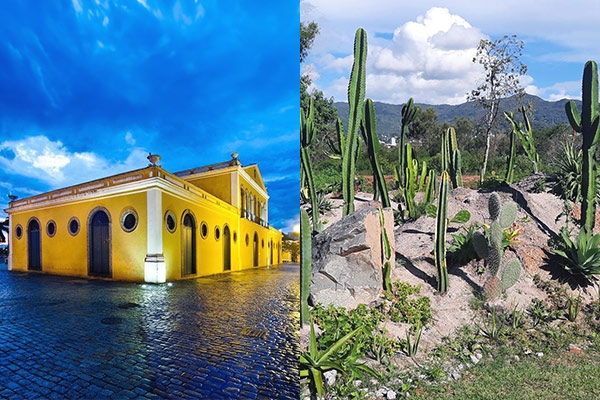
(429, 59)
(51, 162)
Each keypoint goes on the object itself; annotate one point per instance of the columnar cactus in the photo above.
(490, 247)
(588, 125)
(305, 265)
(369, 131)
(307, 135)
(356, 96)
(387, 254)
(440, 234)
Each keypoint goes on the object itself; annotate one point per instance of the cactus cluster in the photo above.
(409, 111)
(440, 234)
(369, 133)
(451, 158)
(307, 135)
(415, 182)
(489, 247)
(525, 134)
(588, 124)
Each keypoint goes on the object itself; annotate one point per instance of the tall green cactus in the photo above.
(588, 125)
(512, 152)
(307, 135)
(489, 247)
(369, 130)
(440, 234)
(409, 111)
(356, 96)
(305, 266)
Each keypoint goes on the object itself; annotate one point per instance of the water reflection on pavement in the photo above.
(226, 336)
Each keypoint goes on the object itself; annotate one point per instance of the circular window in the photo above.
(129, 220)
(234, 236)
(170, 221)
(74, 226)
(217, 233)
(262, 243)
(51, 228)
(204, 230)
(247, 240)
(19, 231)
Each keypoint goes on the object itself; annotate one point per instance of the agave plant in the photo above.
(314, 362)
(581, 256)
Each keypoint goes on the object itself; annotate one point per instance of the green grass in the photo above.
(558, 375)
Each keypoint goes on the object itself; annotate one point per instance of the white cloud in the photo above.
(429, 59)
(129, 139)
(51, 162)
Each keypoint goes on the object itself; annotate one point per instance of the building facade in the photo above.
(148, 225)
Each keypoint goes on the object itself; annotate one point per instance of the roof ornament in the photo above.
(153, 158)
(234, 159)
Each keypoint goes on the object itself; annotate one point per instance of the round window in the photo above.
(247, 240)
(19, 231)
(204, 230)
(170, 221)
(217, 233)
(74, 226)
(129, 220)
(51, 228)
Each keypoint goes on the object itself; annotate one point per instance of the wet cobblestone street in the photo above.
(231, 336)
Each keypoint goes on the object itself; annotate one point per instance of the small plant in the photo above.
(412, 346)
(516, 318)
(581, 256)
(401, 306)
(573, 306)
(314, 362)
(494, 328)
(539, 312)
(461, 250)
(539, 186)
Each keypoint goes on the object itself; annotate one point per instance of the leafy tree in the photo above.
(502, 67)
(308, 33)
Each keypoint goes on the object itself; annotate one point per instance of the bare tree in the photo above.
(502, 67)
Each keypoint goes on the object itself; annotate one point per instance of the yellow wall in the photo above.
(217, 185)
(67, 254)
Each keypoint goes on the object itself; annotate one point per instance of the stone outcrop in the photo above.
(347, 259)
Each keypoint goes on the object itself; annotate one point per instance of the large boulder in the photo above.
(347, 261)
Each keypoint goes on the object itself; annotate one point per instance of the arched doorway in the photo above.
(99, 244)
(188, 244)
(226, 249)
(255, 250)
(34, 246)
(271, 260)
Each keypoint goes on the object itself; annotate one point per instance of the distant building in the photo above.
(148, 225)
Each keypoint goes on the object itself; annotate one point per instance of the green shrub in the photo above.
(580, 256)
(402, 306)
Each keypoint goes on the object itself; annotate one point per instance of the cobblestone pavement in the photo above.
(231, 336)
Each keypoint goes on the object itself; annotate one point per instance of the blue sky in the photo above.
(89, 87)
(424, 49)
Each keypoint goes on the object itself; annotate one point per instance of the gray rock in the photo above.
(347, 261)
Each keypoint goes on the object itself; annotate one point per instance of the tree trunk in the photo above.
(488, 140)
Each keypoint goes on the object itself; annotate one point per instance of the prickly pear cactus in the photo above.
(490, 248)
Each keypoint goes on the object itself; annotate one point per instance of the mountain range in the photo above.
(389, 116)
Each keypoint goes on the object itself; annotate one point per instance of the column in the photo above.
(154, 264)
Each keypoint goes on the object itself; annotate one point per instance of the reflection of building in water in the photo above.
(148, 225)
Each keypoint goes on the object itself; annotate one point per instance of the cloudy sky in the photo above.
(89, 87)
(424, 49)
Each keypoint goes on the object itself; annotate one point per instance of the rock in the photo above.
(347, 261)
(391, 395)
(330, 376)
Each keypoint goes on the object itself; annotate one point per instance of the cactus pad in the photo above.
(511, 273)
(508, 213)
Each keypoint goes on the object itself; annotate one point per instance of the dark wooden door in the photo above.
(255, 251)
(34, 246)
(188, 262)
(226, 249)
(99, 244)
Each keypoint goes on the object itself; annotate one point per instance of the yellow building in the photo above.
(148, 225)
